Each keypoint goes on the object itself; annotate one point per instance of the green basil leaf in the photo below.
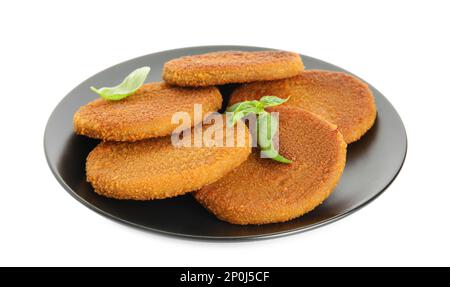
(128, 86)
(235, 107)
(267, 127)
(272, 101)
(269, 153)
(238, 114)
(245, 106)
(267, 124)
(274, 155)
(281, 159)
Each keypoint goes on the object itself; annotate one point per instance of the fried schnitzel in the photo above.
(220, 68)
(156, 169)
(262, 191)
(337, 97)
(145, 114)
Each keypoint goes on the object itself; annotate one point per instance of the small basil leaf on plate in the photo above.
(241, 106)
(128, 86)
(267, 124)
(235, 107)
(242, 109)
(281, 159)
(274, 155)
(267, 128)
(272, 101)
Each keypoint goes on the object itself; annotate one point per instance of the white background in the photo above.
(49, 47)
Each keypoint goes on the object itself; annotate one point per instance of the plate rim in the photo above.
(177, 235)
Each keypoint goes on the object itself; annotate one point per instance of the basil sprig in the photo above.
(128, 86)
(267, 124)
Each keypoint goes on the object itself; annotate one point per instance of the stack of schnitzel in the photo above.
(137, 160)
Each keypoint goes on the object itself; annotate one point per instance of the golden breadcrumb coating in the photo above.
(337, 97)
(220, 68)
(145, 114)
(264, 191)
(156, 169)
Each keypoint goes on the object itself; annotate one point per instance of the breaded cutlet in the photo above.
(156, 169)
(262, 191)
(145, 114)
(337, 97)
(218, 68)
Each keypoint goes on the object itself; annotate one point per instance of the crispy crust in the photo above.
(146, 114)
(219, 68)
(263, 191)
(337, 97)
(155, 169)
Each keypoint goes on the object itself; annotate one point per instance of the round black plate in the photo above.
(372, 163)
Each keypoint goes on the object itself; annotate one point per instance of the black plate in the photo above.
(372, 164)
